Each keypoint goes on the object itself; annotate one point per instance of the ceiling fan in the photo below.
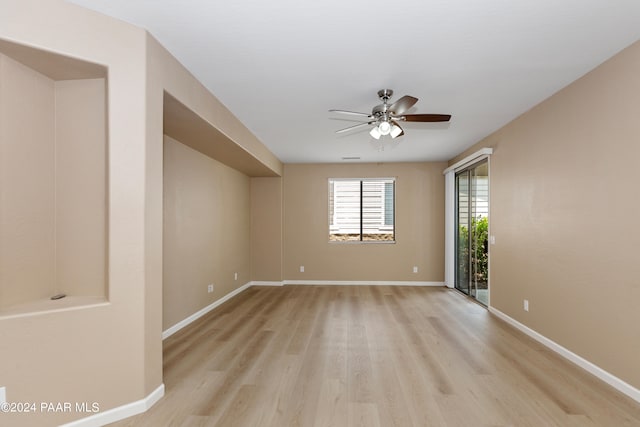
(385, 117)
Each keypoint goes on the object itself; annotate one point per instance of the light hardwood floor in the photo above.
(370, 356)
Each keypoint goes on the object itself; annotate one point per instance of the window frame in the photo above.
(361, 234)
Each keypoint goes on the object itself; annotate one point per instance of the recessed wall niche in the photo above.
(53, 180)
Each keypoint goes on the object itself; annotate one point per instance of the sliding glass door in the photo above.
(472, 227)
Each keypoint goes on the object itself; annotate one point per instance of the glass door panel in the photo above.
(462, 232)
(479, 232)
(472, 226)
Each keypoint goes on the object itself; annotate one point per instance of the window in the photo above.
(362, 210)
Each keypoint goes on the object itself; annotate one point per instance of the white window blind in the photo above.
(362, 209)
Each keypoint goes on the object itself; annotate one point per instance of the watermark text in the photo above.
(49, 407)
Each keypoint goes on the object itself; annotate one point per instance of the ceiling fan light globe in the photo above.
(395, 131)
(384, 128)
(375, 133)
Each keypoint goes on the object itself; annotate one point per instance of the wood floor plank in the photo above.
(215, 402)
(347, 356)
(363, 415)
(332, 404)
(276, 414)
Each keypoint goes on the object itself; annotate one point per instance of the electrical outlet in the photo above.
(235, 276)
(526, 305)
(302, 269)
(3, 395)
(415, 269)
(492, 240)
(210, 288)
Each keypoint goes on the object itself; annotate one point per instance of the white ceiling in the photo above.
(279, 65)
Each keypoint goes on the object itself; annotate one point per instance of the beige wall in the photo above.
(419, 225)
(96, 352)
(266, 229)
(27, 184)
(206, 231)
(53, 210)
(564, 189)
(81, 200)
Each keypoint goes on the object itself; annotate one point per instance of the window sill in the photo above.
(363, 242)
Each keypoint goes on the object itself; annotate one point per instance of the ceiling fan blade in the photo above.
(353, 113)
(348, 119)
(425, 117)
(359, 125)
(403, 104)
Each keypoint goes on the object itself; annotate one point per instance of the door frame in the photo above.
(450, 213)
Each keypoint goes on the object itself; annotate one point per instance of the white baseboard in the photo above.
(267, 283)
(361, 283)
(605, 376)
(195, 316)
(121, 412)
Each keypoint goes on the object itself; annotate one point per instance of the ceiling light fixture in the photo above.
(385, 117)
(395, 131)
(375, 133)
(386, 128)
